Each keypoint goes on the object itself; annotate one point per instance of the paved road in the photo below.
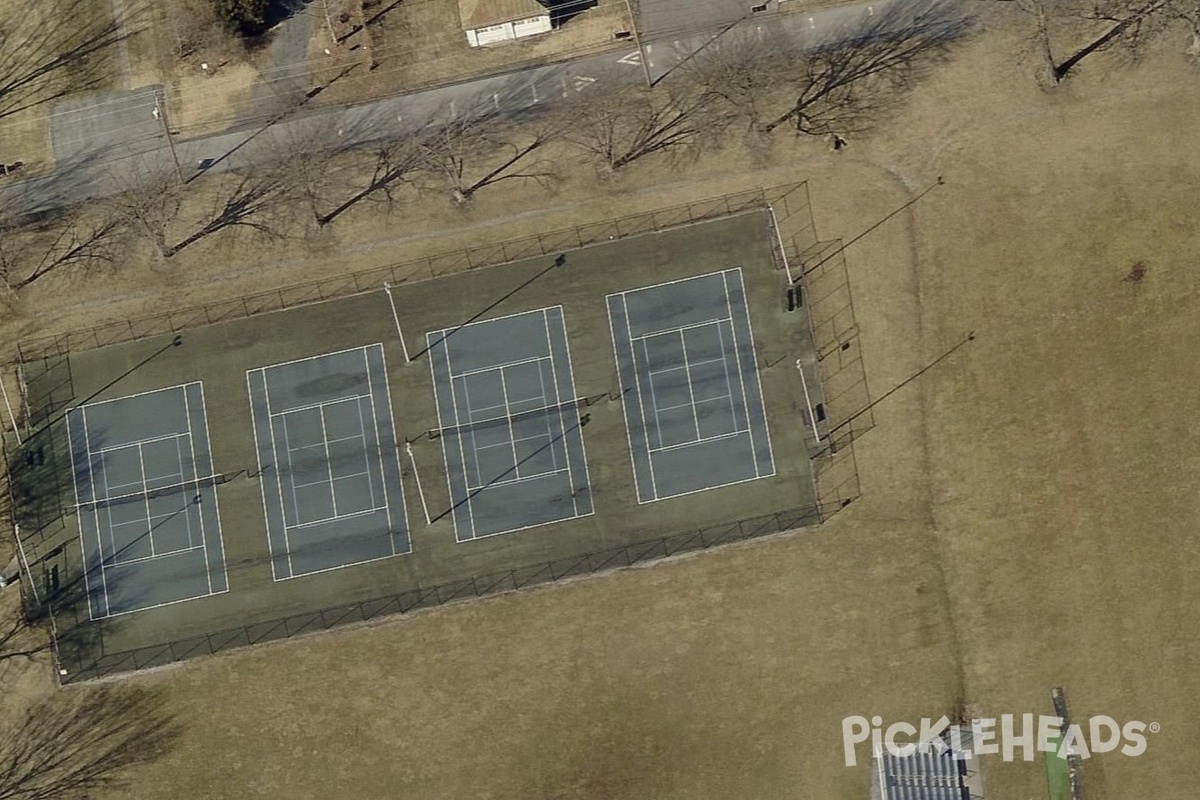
(122, 140)
(668, 19)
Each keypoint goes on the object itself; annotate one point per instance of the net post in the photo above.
(779, 238)
(812, 419)
(387, 288)
(417, 477)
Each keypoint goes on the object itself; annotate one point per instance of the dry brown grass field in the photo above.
(1028, 516)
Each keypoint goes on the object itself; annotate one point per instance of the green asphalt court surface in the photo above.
(1058, 772)
(233, 362)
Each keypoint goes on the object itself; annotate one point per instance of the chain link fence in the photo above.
(483, 256)
(73, 668)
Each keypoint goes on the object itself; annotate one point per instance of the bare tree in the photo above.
(311, 160)
(255, 200)
(52, 48)
(20, 638)
(620, 124)
(482, 149)
(74, 743)
(148, 201)
(747, 71)
(80, 237)
(1099, 25)
(391, 163)
(853, 74)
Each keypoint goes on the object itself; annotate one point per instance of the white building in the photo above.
(493, 21)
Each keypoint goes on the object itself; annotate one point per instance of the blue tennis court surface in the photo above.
(327, 454)
(690, 387)
(146, 500)
(511, 432)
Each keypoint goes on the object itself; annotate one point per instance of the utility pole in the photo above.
(637, 39)
(160, 114)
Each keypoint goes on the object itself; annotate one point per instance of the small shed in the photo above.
(494, 21)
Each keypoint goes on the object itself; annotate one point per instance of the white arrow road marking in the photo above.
(582, 82)
(634, 58)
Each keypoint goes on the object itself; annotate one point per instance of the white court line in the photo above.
(526, 479)
(488, 320)
(143, 559)
(705, 440)
(653, 404)
(636, 289)
(762, 399)
(187, 416)
(328, 465)
(437, 407)
(680, 329)
(729, 382)
(716, 486)
(736, 356)
(362, 430)
(587, 478)
(462, 454)
(264, 369)
(82, 546)
(127, 445)
(262, 483)
(681, 366)
(216, 500)
(279, 470)
(145, 501)
(512, 434)
(741, 376)
(548, 436)
(641, 402)
(387, 392)
(478, 370)
(87, 445)
(687, 371)
(322, 404)
(312, 523)
(555, 402)
(136, 394)
(351, 437)
(612, 335)
(362, 433)
(324, 482)
(287, 542)
(470, 431)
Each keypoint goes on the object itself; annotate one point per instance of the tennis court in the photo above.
(146, 500)
(328, 461)
(579, 410)
(511, 432)
(692, 398)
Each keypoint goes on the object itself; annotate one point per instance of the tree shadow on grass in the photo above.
(75, 742)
